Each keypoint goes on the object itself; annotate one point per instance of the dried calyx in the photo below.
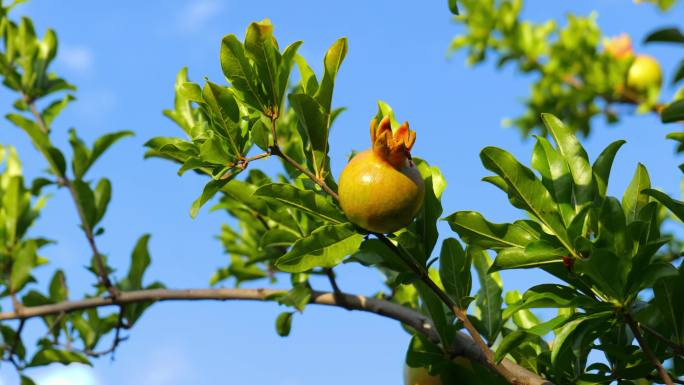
(393, 147)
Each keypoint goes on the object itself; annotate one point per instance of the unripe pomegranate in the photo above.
(380, 189)
(644, 74)
(419, 376)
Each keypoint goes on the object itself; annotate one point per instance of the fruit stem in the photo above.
(460, 313)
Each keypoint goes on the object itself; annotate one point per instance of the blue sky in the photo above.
(124, 57)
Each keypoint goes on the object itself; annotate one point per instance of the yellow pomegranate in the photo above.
(419, 376)
(380, 189)
(644, 73)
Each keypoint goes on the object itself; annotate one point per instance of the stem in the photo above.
(99, 260)
(646, 348)
(336, 289)
(275, 150)
(17, 338)
(444, 297)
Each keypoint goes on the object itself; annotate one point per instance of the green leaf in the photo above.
(612, 231)
(489, 298)
(80, 160)
(305, 200)
(260, 47)
(551, 296)
(331, 64)
(634, 200)
(285, 68)
(225, 113)
(607, 270)
(454, 270)
(536, 253)
(24, 261)
(578, 161)
(555, 176)
(240, 73)
(104, 142)
(49, 356)
(55, 108)
(140, 261)
(668, 294)
(525, 188)
(314, 121)
(426, 223)
(86, 201)
(603, 165)
(14, 203)
(575, 333)
(284, 323)
(41, 140)
(453, 6)
(675, 206)
(437, 312)
(665, 35)
(277, 238)
(58, 287)
(298, 297)
(102, 195)
(308, 81)
(26, 380)
(477, 231)
(674, 112)
(325, 247)
(510, 342)
(210, 189)
(214, 150)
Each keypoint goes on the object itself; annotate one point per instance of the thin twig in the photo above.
(275, 150)
(646, 348)
(87, 229)
(336, 289)
(117, 338)
(676, 348)
(17, 338)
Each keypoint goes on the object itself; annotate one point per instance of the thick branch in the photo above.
(463, 345)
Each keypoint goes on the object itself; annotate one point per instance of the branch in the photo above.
(463, 345)
(99, 260)
(676, 348)
(646, 348)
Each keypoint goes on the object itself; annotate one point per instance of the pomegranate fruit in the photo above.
(644, 74)
(380, 189)
(419, 376)
(619, 47)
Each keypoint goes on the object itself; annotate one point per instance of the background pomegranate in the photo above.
(380, 189)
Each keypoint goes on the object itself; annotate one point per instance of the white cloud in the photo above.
(76, 58)
(73, 374)
(198, 13)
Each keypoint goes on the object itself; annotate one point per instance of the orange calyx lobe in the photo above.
(395, 147)
(619, 47)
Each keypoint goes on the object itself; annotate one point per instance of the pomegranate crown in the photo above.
(393, 147)
(619, 47)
